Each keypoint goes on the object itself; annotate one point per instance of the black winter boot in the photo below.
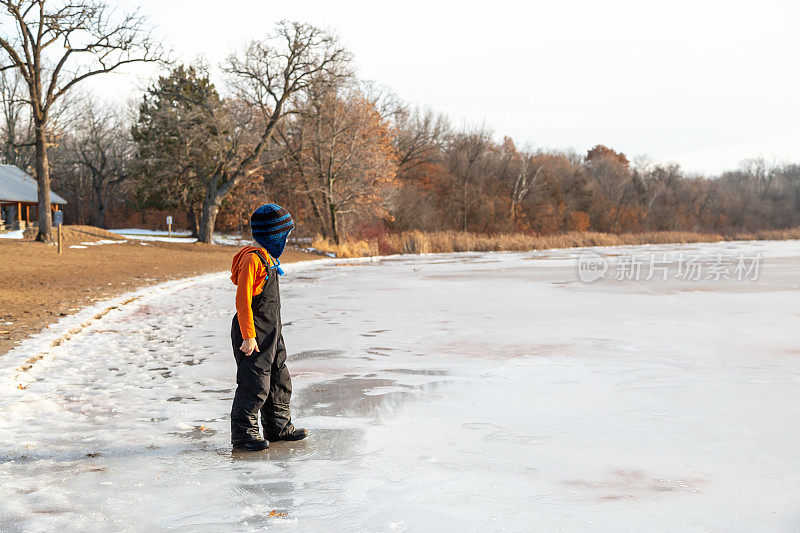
(292, 433)
(276, 418)
(251, 446)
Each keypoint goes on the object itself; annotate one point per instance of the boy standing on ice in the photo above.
(263, 381)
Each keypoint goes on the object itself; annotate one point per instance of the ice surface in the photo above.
(444, 392)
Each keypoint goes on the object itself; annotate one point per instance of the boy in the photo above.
(263, 381)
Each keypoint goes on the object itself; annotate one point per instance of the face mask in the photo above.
(276, 244)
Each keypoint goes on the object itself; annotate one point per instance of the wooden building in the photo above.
(19, 203)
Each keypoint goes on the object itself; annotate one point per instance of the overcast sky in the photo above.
(704, 84)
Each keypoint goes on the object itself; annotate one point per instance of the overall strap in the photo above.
(268, 264)
(263, 259)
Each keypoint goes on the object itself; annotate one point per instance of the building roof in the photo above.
(17, 186)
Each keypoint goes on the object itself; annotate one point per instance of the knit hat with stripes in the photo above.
(270, 225)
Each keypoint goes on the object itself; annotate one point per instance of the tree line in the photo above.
(288, 120)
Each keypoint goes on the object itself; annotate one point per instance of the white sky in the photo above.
(705, 84)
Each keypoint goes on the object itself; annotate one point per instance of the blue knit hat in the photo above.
(270, 225)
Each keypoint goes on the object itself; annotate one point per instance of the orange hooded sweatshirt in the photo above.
(249, 275)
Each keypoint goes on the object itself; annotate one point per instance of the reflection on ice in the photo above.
(453, 392)
(349, 396)
(309, 354)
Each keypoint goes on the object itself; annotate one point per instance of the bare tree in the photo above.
(342, 151)
(15, 127)
(468, 160)
(662, 189)
(419, 137)
(102, 145)
(56, 46)
(382, 98)
(761, 175)
(528, 177)
(613, 185)
(268, 78)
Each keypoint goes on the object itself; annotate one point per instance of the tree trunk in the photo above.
(465, 205)
(334, 229)
(315, 208)
(100, 207)
(192, 218)
(619, 208)
(43, 179)
(466, 190)
(208, 217)
(101, 216)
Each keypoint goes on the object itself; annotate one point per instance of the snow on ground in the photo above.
(154, 235)
(101, 242)
(148, 232)
(95, 243)
(177, 236)
(13, 234)
(230, 240)
(441, 392)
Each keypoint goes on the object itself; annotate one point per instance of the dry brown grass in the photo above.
(71, 234)
(417, 242)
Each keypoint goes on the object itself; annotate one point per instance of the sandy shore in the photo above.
(39, 286)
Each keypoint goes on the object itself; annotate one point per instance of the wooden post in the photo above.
(58, 219)
(28, 215)
(19, 214)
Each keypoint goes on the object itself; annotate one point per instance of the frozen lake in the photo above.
(458, 392)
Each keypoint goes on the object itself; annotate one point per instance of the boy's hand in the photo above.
(249, 346)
